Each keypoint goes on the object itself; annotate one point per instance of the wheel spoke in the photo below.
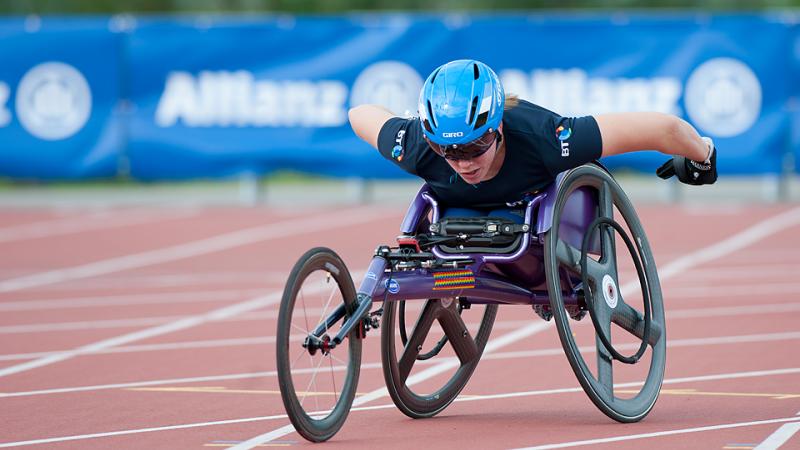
(605, 375)
(570, 257)
(333, 381)
(457, 333)
(300, 354)
(324, 314)
(305, 332)
(608, 252)
(632, 321)
(305, 314)
(311, 382)
(606, 201)
(417, 338)
(344, 363)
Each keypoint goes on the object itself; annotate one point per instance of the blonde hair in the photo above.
(512, 100)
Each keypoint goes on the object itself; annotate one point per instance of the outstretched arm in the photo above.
(694, 160)
(367, 121)
(628, 132)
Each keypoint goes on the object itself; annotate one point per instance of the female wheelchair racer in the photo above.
(515, 210)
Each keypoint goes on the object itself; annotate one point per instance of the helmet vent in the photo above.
(482, 117)
(475, 70)
(433, 77)
(430, 114)
(473, 109)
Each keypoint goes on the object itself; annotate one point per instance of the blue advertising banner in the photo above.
(232, 95)
(59, 85)
(794, 101)
(220, 96)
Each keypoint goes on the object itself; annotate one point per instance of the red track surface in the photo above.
(731, 319)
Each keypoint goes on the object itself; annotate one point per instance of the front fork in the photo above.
(357, 317)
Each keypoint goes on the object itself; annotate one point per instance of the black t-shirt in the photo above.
(539, 145)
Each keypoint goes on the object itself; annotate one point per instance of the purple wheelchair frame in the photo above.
(516, 278)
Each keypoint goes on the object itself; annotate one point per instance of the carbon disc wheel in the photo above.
(460, 355)
(606, 297)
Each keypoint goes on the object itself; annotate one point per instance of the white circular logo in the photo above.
(723, 97)
(392, 84)
(53, 101)
(610, 291)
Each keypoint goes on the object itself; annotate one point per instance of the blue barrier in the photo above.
(186, 97)
(59, 86)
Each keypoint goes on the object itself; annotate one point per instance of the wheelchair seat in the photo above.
(497, 231)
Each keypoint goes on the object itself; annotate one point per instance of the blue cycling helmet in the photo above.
(460, 101)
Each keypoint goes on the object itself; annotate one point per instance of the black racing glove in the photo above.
(691, 172)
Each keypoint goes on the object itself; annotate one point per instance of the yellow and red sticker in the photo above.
(453, 279)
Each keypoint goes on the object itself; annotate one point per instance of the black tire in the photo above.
(468, 350)
(609, 308)
(299, 368)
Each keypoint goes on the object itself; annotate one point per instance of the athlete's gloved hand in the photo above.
(692, 172)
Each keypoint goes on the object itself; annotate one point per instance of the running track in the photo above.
(154, 328)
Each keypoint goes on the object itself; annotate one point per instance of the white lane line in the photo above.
(723, 311)
(182, 324)
(699, 378)
(214, 343)
(675, 343)
(205, 246)
(168, 428)
(736, 242)
(200, 247)
(235, 342)
(131, 299)
(741, 272)
(137, 431)
(134, 384)
(745, 238)
(689, 313)
(471, 398)
(377, 365)
(88, 325)
(779, 437)
(142, 282)
(447, 364)
(631, 437)
(718, 290)
(121, 323)
(92, 222)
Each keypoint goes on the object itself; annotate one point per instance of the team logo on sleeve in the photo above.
(563, 134)
(397, 150)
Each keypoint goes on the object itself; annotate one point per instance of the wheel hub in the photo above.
(610, 291)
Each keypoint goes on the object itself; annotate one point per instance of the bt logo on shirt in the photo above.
(397, 151)
(563, 134)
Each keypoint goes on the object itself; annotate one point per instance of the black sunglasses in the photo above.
(469, 150)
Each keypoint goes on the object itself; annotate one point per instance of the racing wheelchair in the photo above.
(561, 259)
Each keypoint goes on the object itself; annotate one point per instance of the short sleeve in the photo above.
(401, 141)
(576, 141)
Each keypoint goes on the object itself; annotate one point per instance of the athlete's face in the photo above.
(475, 170)
(482, 167)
